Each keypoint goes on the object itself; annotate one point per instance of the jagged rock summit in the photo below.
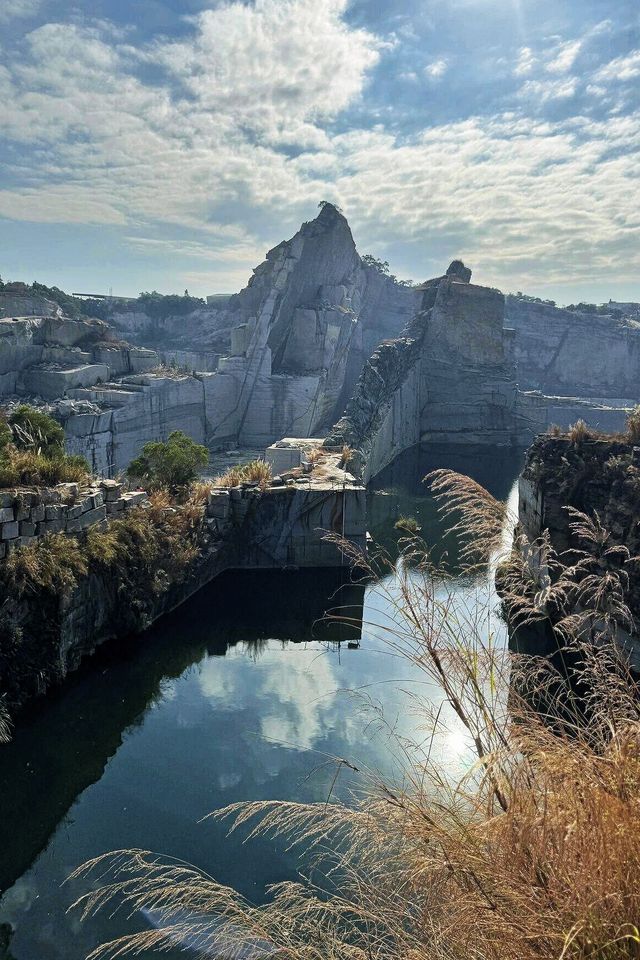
(457, 271)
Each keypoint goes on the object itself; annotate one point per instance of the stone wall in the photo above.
(29, 513)
(242, 528)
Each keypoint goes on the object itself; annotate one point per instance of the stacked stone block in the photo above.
(27, 514)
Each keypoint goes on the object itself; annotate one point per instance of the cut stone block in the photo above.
(55, 383)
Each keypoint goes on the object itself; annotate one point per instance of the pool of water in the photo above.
(243, 693)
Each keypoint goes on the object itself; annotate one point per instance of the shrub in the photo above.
(172, 463)
(53, 563)
(35, 430)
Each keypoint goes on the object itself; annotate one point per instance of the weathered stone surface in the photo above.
(273, 529)
(571, 354)
(52, 383)
(448, 378)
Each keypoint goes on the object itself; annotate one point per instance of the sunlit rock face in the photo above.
(576, 354)
(280, 358)
(449, 378)
(302, 329)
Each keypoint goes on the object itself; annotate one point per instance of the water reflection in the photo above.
(241, 694)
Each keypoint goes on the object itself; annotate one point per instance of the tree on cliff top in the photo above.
(172, 463)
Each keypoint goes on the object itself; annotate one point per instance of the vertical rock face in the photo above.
(574, 354)
(449, 378)
(310, 316)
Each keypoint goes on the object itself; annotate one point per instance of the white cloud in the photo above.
(526, 62)
(437, 69)
(15, 9)
(621, 69)
(564, 56)
(541, 91)
(94, 142)
(274, 65)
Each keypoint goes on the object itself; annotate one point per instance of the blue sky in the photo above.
(168, 144)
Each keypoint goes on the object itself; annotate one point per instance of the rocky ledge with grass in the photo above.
(578, 536)
(87, 562)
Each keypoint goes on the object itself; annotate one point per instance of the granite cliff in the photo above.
(280, 358)
(569, 353)
(450, 377)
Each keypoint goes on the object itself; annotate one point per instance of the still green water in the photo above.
(243, 693)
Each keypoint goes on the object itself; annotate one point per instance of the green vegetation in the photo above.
(34, 430)
(172, 463)
(255, 471)
(523, 296)
(523, 843)
(71, 306)
(130, 565)
(32, 451)
(382, 267)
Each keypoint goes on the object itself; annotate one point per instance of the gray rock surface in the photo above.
(573, 354)
(448, 378)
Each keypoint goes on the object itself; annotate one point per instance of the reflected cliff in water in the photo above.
(63, 744)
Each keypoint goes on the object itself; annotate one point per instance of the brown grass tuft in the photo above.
(254, 471)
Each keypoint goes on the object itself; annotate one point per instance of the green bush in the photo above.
(32, 429)
(32, 451)
(172, 463)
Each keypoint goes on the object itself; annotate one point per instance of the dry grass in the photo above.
(532, 853)
(255, 471)
(579, 431)
(633, 425)
(314, 455)
(24, 468)
(346, 455)
(54, 563)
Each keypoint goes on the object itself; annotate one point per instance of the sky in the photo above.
(168, 144)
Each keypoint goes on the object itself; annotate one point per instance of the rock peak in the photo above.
(329, 211)
(458, 271)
